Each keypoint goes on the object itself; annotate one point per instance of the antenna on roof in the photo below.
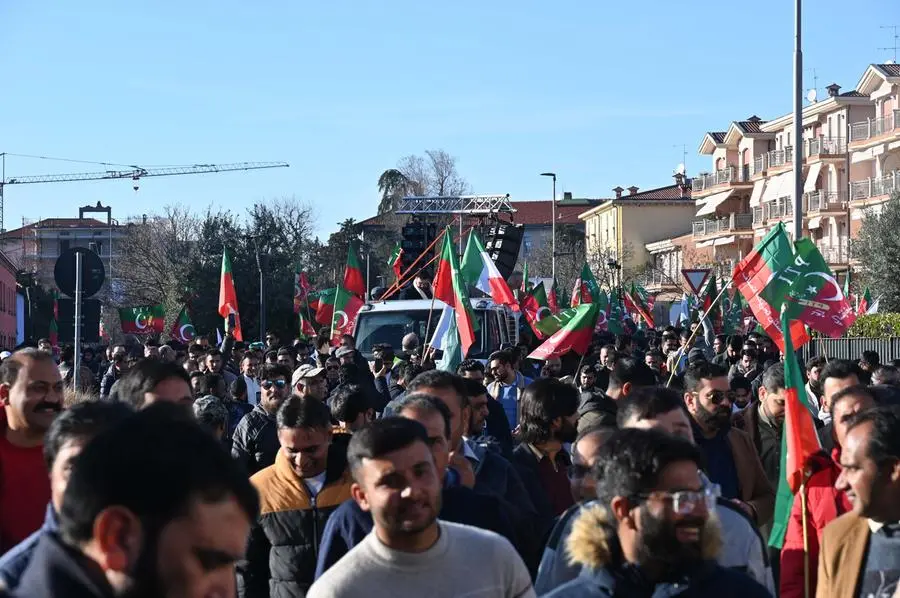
(813, 93)
(684, 153)
(896, 39)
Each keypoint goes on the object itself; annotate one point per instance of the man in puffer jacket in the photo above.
(824, 502)
(297, 495)
(649, 533)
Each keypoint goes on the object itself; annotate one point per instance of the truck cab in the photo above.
(389, 321)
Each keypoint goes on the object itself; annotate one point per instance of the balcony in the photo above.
(726, 176)
(835, 253)
(774, 210)
(759, 165)
(875, 187)
(658, 279)
(731, 223)
(874, 127)
(779, 158)
(758, 216)
(825, 146)
(824, 201)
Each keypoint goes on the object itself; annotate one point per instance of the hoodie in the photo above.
(593, 545)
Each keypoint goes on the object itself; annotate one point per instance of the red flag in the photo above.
(553, 298)
(815, 297)
(755, 279)
(575, 335)
(301, 289)
(228, 303)
(450, 288)
(353, 276)
(535, 308)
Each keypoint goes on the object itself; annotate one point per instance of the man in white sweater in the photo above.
(409, 552)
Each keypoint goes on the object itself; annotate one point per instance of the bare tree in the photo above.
(434, 173)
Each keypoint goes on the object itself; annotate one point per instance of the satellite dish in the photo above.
(680, 169)
(811, 96)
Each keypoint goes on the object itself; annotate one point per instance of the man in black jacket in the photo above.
(171, 520)
(496, 422)
(297, 495)
(255, 440)
(549, 414)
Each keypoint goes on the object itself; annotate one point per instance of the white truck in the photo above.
(389, 321)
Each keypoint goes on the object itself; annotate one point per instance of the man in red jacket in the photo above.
(824, 503)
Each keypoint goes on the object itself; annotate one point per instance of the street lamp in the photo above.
(552, 225)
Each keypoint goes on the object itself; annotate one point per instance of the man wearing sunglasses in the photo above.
(732, 461)
(649, 531)
(255, 440)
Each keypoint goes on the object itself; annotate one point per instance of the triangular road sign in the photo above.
(696, 278)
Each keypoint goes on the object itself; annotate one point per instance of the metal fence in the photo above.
(887, 347)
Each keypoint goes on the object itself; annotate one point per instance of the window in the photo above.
(64, 245)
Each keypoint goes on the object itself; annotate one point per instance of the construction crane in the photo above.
(135, 173)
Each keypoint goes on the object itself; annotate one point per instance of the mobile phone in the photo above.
(231, 321)
(379, 363)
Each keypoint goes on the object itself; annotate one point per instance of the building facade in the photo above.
(8, 304)
(851, 162)
(36, 245)
(622, 226)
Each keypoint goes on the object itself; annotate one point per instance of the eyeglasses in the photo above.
(685, 502)
(268, 384)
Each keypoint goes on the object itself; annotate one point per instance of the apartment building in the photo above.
(851, 161)
(36, 245)
(623, 225)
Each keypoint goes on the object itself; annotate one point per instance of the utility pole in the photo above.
(798, 120)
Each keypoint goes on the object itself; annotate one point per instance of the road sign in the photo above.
(92, 272)
(696, 278)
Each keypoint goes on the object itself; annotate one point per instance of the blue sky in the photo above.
(603, 93)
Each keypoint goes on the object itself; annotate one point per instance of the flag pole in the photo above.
(403, 275)
(694, 333)
(803, 517)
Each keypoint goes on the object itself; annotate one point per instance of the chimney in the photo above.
(632, 190)
(618, 192)
(833, 90)
(567, 195)
(754, 119)
(679, 178)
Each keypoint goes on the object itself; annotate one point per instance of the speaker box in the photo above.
(504, 241)
(90, 320)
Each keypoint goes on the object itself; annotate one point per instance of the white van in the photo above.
(389, 321)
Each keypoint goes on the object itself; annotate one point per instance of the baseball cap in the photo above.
(343, 351)
(305, 371)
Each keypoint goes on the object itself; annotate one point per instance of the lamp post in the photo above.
(260, 264)
(552, 225)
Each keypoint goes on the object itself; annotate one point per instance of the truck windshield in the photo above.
(373, 328)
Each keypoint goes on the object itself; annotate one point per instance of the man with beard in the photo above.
(31, 391)
(411, 552)
(554, 569)
(66, 438)
(731, 457)
(814, 366)
(255, 440)
(154, 507)
(650, 533)
(349, 524)
(549, 416)
(860, 553)
(764, 421)
(740, 393)
(496, 423)
(297, 494)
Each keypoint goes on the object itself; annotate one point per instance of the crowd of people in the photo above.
(647, 467)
